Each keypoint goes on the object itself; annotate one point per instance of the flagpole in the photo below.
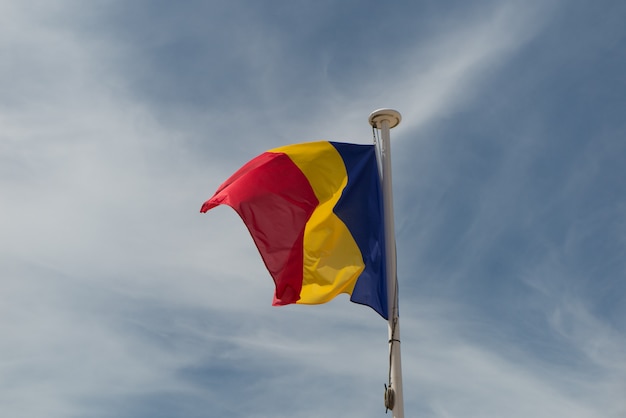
(385, 119)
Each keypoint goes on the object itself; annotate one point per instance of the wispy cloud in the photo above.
(120, 299)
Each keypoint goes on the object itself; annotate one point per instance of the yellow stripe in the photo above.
(332, 259)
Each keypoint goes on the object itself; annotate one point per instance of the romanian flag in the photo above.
(315, 213)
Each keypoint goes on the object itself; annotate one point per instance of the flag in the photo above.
(315, 213)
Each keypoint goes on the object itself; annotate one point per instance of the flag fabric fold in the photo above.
(315, 213)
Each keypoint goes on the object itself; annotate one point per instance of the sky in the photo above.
(118, 119)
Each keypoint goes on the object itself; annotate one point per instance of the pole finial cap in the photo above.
(390, 115)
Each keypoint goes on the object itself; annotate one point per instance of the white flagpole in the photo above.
(385, 119)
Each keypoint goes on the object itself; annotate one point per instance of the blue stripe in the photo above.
(361, 209)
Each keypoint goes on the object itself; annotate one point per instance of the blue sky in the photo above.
(119, 118)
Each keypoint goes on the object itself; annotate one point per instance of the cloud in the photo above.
(120, 299)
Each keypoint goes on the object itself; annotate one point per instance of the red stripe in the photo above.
(275, 200)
